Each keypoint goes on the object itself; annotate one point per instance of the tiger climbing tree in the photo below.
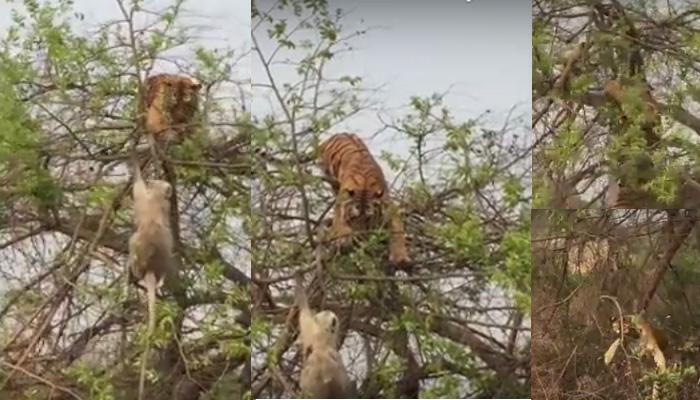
(451, 323)
(614, 104)
(72, 322)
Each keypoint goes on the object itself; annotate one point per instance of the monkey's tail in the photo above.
(150, 282)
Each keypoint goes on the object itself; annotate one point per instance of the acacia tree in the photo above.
(70, 327)
(614, 100)
(456, 323)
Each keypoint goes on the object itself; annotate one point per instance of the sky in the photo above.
(231, 18)
(479, 51)
(220, 23)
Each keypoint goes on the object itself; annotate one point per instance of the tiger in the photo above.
(362, 198)
(170, 103)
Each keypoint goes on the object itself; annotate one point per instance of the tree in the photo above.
(614, 86)
(457, 324)
(596, 264)
(69, 123)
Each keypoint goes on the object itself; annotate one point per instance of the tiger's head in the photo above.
(171, 101)
(181, 97)
(188, 90)
(364, 201)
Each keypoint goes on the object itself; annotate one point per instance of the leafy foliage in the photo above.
(586, 258)
(587, 141)
(68, 125)
(463, 189)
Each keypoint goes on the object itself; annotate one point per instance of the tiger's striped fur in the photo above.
(362, 196)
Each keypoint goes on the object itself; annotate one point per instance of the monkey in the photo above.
(636, 170)
(618, 92)
(323, 374)
(651, 340)
(150, 247)
(571, 67)
(170, 103)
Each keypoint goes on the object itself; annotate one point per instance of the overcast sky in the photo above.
(480, 51)
(230, 19)
(219, 23)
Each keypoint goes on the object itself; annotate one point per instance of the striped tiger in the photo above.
(362, 196)
(170, 103)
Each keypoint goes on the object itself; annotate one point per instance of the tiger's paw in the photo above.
(343, 239)
(399, 257)
(343, 243)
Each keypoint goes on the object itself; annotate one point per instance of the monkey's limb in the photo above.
(305, 316)
(139, 190)
(158, 158)
(136, 166)
(150, 282)
(300, 295)
(561, 86)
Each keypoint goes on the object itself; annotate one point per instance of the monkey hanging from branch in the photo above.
(150, 247)
(323, 374)
(633, 97)
(638, 108)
